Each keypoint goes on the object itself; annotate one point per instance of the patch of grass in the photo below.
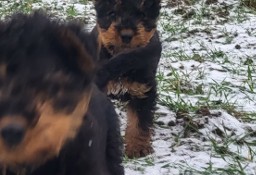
(17, 6)
(249, 116)
(203, 12)
(198, 57)
(235, 160)
(250, 79)
(240, 14)
(178, 82)
(230, 108)
(229, 37)
(249, 3)
(174, 28)
(139, 164)
(177, 55)
(220, 89)
(219, 97)
(83, 1)
(178, 105)
(213, 53)
(181, 55)
(71, 11)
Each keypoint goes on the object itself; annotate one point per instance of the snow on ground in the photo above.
(205, 121)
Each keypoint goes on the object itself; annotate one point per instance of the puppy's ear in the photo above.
(76, 55)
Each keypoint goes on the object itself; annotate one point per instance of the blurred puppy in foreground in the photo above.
(53, 120)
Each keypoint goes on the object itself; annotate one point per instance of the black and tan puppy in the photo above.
(129, 50)
(53, 120)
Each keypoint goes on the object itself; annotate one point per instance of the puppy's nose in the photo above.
(12, 134)
(126, 35)
(126, 38)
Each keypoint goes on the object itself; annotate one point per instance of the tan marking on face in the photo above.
(127, 32)
(7, 120)
(47, 137)
(109, 38)
(113, 42)
(143, 37)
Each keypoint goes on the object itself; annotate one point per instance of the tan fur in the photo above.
(109, 37)
(137, 141)
(113, 42)
(124, 86)
(6, 120)
(2, 70)
(126, 32)
(143, 37)
(46, 139)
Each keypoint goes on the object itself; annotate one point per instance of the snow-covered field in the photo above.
(206, 117)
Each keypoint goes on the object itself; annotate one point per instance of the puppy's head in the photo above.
(45, 84)
(125, 24)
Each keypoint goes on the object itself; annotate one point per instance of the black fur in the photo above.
(34, 54)
(136, 64)
(100, 129)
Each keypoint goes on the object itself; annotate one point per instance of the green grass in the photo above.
(71, 11)
(23, 6)
(84, 1)
(249, 3)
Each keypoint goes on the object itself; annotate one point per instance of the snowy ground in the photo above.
(206, 117)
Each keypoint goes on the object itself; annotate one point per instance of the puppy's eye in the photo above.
(112, 14)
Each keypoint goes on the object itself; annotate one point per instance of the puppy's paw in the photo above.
(138, 144)
(138, 150)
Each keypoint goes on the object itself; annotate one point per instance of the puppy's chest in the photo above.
(123, 86)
